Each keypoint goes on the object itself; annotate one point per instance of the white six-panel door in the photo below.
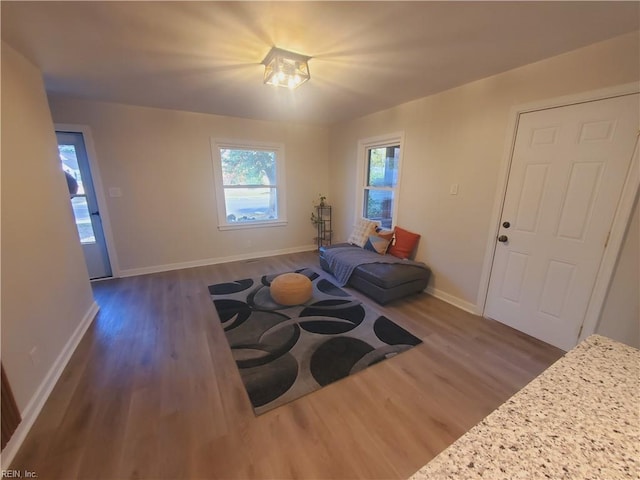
(568, 169)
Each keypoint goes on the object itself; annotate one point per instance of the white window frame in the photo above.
(278, 148)
(381, 141)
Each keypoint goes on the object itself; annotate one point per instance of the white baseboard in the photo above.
(33, 408)
(213, 261)
(453, 300)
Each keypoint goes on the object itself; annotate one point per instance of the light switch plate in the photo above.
(115, 192)
(454, 189)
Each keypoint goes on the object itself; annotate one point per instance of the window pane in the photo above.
(70, 164)
(378, 205)
(251, 204)
(248, 167)
(83, 219)
(382, 166)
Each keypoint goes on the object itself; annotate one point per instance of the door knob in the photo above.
(506, 224)
(503, 238)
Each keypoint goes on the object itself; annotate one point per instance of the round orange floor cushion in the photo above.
(291, 289)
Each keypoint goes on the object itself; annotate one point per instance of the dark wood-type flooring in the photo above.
(152, 391)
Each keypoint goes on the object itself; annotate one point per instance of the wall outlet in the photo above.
(34, 355)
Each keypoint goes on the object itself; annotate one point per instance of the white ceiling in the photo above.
(367, 56)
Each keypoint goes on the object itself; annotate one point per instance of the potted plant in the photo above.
(316, 219)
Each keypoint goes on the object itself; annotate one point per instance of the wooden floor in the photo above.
(152, 391)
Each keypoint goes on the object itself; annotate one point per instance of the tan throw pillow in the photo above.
(361, 231)
(377, 244)
(386, 234)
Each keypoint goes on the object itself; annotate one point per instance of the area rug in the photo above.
(283, 353)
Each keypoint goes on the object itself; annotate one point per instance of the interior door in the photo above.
(75, 163)
(568, 168)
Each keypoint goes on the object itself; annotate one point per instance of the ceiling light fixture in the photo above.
(285, 69)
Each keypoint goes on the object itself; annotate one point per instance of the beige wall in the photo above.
(458, 136)
(620, 317)
(45, 287)
(161, 159)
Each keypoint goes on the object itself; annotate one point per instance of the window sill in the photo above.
(245, 225)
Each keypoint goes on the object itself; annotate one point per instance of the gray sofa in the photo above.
(383, 282)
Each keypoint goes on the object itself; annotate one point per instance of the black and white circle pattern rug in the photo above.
(285, 352)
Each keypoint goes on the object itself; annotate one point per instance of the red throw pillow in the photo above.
(405, 243)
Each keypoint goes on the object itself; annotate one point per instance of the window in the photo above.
(249, 186)
(380, 178)
(73, 175)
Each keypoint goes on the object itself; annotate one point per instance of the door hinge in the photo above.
(580, 331)
(606, 242)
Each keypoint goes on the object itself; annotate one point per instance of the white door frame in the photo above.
(99, 190)
(621, 218)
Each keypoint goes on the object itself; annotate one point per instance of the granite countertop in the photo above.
(578, 420)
